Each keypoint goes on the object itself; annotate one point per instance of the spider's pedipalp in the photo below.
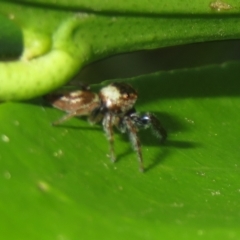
(147, 120)
(156, 126)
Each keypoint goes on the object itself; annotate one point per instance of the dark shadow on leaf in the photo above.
(162, 156)
(165, 151)
(171, 123)
(122, 155)
(181, 144)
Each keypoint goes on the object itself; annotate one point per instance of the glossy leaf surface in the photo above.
(57, 182)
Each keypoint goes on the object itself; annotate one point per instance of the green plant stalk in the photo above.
(67, 40)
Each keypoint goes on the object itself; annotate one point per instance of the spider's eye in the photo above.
(145, 120)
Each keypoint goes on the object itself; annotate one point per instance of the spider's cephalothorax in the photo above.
(114, 106)
(118, 98)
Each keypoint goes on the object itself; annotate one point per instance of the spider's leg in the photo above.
(96, 115)
(69, 115)
(158, 128)
(108, 128)
(149, 120)
(132, 131)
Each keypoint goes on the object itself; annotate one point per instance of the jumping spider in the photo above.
(114, 106)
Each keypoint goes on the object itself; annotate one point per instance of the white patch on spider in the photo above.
(64, 98)
(96, 98)
(76, 100)
(75, 94)
(74, 97)
(111, 95)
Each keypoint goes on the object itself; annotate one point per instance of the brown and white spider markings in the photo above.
(114, 106)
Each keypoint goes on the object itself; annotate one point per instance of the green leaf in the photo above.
(57, 182)
(142, 6)
(61, 38)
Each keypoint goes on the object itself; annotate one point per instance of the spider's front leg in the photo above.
(156, 126)
(132, 131)
(108, 128)
(147, 120)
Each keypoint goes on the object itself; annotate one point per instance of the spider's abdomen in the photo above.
(82, 100)
(118, 97)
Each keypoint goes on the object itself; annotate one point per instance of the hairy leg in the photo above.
(132, 131)
(157, 127)
(108, 128)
